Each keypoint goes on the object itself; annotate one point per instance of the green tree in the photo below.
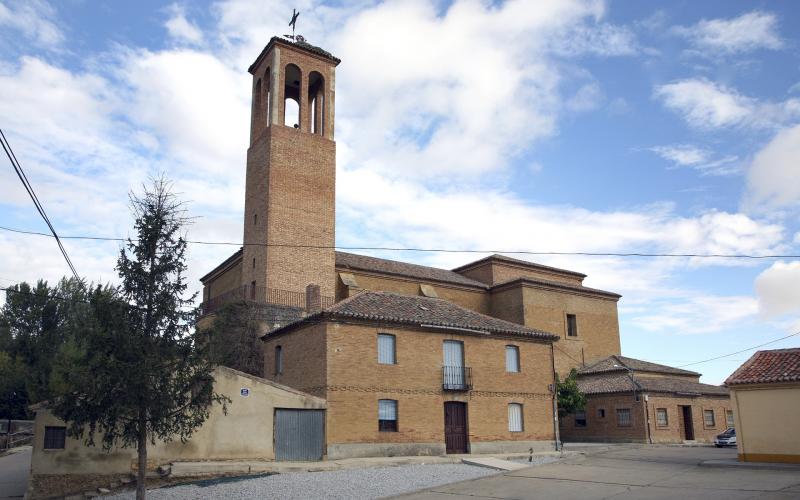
(570, 397)
(235, 338)
(34, 322)
(137, 372)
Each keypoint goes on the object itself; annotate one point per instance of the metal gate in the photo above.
(299, 434)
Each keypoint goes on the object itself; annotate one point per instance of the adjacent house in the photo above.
(765, 394)
(630, 400)
(410, 375)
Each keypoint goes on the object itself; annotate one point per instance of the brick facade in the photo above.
(606, 429)
(354, 382)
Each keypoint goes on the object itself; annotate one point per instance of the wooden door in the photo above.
(688, 427)
(455, 427)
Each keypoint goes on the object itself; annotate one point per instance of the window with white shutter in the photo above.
(386, 349)
(512, 359)
(387, 415)
(515, 417)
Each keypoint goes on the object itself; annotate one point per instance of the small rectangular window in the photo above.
(601, 413)
(387, 415)
(278, 360)
(386, 349)
(729, 418)
(661, 417)
(572, 325)
(515, 417)
(55, 438)
(708, 418)
(624, 417)
(580, 419)
(512, 359)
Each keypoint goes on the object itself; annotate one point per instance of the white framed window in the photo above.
(512, 359)
(386, 349)
(387, 415)
(515, 417)
(708, 418)
(729, 418)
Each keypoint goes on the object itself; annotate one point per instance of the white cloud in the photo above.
(180, 28)
(778, 289)
(746, 33)
(697, 314)
(774, 174)
(702, 160)
(708, 105)
(35, 19)
(588, 97)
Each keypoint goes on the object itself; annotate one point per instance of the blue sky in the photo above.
(665, 127)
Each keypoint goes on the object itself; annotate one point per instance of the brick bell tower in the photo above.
(291, 171)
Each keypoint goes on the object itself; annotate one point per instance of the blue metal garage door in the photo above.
(299, 434)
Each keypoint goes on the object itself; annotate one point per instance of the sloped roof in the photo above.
(621, 382)
(397, 268)
(303, 45)
(776, 365)
(557, 284)
(606, 365)
(418, 311)
(519, 262)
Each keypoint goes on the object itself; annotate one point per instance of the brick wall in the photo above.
(354, 382)
(598, 325)
(673, 432)
(606, 429)
(304, 359)
(477, 300)
(290, 187)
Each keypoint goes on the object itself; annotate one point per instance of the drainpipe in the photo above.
(555, 398)
(645, 400)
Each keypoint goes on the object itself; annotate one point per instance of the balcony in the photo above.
(456, 378)
(262, 295)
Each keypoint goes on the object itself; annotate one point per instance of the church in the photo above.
(368, 357)
(410, 359)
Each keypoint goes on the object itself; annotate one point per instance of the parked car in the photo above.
(727, 438)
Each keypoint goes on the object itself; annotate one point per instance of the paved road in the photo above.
(632, 473)
(14, 469)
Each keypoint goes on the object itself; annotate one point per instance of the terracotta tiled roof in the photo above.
(301, 45)
(616, 383)
(777, 365)
(386, 307)
(520, 262)
(606, 365)
(397, 268)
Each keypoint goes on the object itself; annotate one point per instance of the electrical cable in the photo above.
(433, 250)
(32, 193)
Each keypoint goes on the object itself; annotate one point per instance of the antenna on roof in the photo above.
(293, 24)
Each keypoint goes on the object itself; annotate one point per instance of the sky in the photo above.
(546, 126)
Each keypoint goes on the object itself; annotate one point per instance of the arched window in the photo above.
(267, 96)
(316, 99)
(257, 101)
(291, 95)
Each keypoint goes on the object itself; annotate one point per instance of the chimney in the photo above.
(313, 298)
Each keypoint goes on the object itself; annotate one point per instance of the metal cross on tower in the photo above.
(293, 23)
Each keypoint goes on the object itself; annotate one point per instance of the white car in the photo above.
(727, 438)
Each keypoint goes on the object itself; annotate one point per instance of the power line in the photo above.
(32, 193)
(433, 250)
(739, 352)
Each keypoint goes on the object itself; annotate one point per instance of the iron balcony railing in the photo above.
(456, 378)
(261, 295)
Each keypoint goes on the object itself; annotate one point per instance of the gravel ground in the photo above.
(345, 484)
